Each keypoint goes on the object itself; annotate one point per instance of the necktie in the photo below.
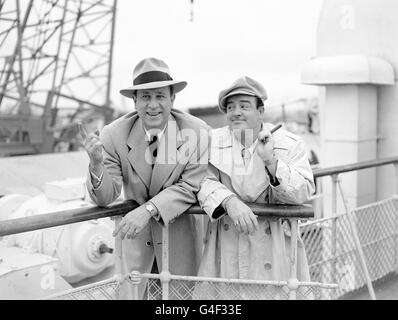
(245, 155)
(153, 149)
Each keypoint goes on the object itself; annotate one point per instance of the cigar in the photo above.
(277, 127)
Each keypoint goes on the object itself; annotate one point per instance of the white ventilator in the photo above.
(83, 249)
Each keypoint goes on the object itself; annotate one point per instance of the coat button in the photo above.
(268, 266)
(226, 227)
(148, 243)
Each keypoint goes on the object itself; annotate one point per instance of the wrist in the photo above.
(97, 174)
(271, 161)
(96, 168)
(227, 200)
(151, 209)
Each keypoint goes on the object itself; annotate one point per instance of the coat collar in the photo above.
(168, 156)
(221, 147)
(248, 184)
(221, 138)
(137, 144)
(168, 147)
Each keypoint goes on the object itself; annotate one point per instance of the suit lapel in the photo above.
(168, 156)
(221, 150)
(136, 156)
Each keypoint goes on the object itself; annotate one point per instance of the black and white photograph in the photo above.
(199, 154)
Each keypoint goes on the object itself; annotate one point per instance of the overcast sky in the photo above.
(269, 40)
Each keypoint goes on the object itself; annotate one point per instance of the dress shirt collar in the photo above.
(149, 134)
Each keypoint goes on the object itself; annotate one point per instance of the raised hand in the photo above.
(265, 147)
(92, 144)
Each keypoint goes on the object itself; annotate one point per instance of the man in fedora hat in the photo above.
(148, 154)
(249, 164)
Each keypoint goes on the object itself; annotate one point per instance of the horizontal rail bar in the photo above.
(272, 210)
(115, 279)
(322, 172)
(279, 283)
(215, 280)
(60, 218)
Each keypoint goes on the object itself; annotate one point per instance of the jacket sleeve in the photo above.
(174, 200)
(294, 173)
(212, 193)
(111, 184)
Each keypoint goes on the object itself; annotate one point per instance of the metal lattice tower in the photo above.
(55, 54)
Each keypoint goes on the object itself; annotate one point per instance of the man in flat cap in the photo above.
(249, 164)
(159, 155)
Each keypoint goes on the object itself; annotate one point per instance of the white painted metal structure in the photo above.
(356, 68)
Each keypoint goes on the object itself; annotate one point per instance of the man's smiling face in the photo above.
(153, 106)
(243, 113)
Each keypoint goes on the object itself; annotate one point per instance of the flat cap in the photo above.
(243, 85)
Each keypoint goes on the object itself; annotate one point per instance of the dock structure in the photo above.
(56, 65)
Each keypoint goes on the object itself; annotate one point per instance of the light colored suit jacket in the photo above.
(171, 186)
(293, 172)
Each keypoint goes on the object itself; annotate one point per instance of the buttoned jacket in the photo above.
(171, 185)
(265, 255)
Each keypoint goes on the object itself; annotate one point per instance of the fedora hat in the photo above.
(152, 73)
(245, 86)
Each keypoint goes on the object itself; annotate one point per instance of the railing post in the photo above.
(396, 179)
(135, 279)
(118, 258)
(335, 181)
(316, 203)
(165, 274)
(395, 196)
(358, 245)
(293, 281)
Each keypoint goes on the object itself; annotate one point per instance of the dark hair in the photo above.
(260, 102)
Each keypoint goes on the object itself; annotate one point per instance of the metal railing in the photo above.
(287, 288)
(323, 172)
(346, 225)
(48, 220)
(171, 284)
(190, 287)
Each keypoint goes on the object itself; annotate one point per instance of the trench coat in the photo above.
(265, 255)
(171, 186)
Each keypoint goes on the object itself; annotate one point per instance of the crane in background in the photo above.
(55, 66)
